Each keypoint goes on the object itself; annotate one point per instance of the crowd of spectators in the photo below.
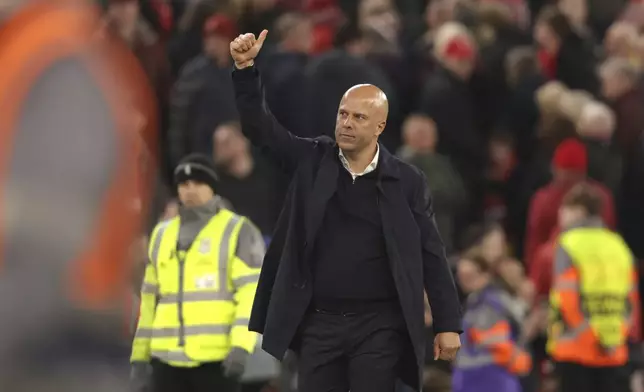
(505, 105)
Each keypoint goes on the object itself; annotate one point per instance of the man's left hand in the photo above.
(446, 345)
(235, 362)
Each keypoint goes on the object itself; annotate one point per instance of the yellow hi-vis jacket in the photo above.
(593, 298)
(195, 305)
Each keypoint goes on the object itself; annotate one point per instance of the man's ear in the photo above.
(381, 127)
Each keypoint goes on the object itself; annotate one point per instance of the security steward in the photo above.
(197, 292)
(592, 301)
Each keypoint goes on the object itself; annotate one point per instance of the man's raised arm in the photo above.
(258, 124)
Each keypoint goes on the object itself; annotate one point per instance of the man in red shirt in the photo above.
(569, 169)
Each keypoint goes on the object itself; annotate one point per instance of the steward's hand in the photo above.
(246, 47)
(235, 362)
(140, 377)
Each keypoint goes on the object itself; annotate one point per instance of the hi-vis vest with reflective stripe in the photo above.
(195, 305)
(605, 267)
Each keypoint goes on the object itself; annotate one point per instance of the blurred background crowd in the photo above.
(505, 105)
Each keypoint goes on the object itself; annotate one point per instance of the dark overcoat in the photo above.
(415, 249)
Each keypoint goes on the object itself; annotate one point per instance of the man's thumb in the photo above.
(261, 38)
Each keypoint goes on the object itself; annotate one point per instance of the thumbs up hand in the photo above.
(246, 47)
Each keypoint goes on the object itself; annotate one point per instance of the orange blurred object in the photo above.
(35, 39)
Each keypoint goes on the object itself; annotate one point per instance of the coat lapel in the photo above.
(391, 204)
(324, 187)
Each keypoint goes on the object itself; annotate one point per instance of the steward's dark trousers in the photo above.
(208, 377)
(577, 378)
(361, 352)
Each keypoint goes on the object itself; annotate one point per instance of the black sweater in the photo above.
(350, 263)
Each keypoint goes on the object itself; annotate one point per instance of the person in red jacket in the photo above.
(569, 166)
(540, 272)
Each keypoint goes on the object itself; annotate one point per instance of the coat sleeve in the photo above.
(437, 276)
(540, 272)
(608, 209)
(260, 126)
(536, 231)
(244, 274)
(148, 304)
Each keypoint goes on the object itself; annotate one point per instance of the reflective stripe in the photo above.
(572, 334)
(195, 296)
(170, 332)
(149, 288)
(188, 166)
(224, 249)
(143, 333)
(154, 253)
(245, 280)
(171, 356)
(469, 362)
(242, 322)
(179, 298)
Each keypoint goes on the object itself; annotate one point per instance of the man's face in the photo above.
(420, 134)
(500, 152)
(611, 85)
(217, 48)
(303, 33)
(228, 143)
(619, 39)
(469, 276)
(194, 194)
(380, 16)
(570, 215)
(545, 37)
(357, 123)
(493, 246)
(438, 12)
(465, 67)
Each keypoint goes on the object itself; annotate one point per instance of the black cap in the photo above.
(196, 167)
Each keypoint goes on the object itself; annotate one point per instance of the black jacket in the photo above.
(576, 64)
(414, 247)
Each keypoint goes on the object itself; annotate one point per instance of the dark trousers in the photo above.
(208, 377)
(577, 378)
(360, 352)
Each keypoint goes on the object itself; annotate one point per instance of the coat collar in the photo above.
(371, 167)
(387, 166)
